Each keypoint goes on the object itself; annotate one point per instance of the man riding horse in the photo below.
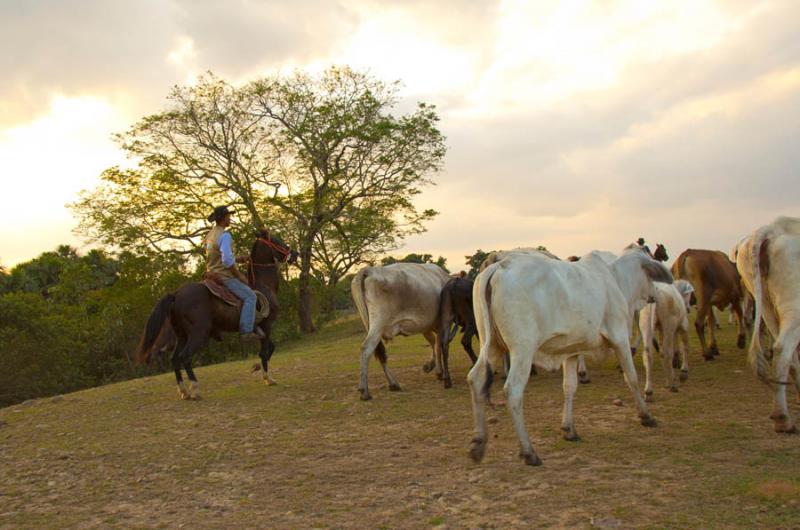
(222, 263)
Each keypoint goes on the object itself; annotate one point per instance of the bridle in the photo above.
(275, 247)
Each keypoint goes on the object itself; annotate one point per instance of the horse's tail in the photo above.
(759, 260)
(153, 328)
(359, 297)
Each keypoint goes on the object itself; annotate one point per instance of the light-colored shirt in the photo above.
(226, 249)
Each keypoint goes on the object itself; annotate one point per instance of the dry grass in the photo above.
(308, 453)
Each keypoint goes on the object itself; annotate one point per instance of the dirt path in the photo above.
(308, 453)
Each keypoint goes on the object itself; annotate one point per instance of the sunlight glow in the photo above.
(47, 162)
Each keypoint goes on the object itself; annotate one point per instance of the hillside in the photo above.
(308, 453)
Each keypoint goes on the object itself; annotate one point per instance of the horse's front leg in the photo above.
(267, 349)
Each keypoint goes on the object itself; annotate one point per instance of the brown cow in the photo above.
(717, 283)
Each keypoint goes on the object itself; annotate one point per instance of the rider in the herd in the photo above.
(221, 261)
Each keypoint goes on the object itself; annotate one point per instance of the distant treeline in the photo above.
(70, 321)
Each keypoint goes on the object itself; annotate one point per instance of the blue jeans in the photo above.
(247, 318)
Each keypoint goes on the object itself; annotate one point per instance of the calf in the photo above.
(668, 315)
(455, 311)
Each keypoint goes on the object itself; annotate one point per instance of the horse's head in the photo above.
(269, 249)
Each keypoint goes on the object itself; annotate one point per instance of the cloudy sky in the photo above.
(576, 124)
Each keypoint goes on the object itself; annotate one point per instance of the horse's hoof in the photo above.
(531, 459)
(708, 357)
(394, 387)
(648, 397)
(365, 396)
(713, 350)
(477, 450)
(427, 367)
(448, 383)
(684, 375)
(649, 421)
(583, 378)
(673, 389)
(740, 341)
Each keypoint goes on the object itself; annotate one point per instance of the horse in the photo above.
(196, 315)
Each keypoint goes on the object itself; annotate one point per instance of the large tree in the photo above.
(322, 158)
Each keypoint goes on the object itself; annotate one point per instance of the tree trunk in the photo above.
(304, 294)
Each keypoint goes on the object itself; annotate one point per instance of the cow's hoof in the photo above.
(713, 350)
(427, 367)
(649, 421)
(440, 376)
(570, 435)
(740, 341)
(648, 397)
(531, 459)
(448, 383)
(477, 450)
(708, 356)
(365, 396)
(781, 427)
(673, 389)
(394, 387)
(583, 378)
(684, 375)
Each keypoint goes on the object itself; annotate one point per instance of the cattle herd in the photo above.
(531, 309)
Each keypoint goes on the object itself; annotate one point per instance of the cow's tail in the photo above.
(153, 328)
(481, 304)
(760, 264)
(359, 296)
(679, 268)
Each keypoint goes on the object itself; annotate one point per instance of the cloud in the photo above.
(575, 125)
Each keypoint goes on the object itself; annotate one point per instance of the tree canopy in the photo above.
(322, 159)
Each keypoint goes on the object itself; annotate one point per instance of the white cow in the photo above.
(669, 316)
(398, 299)
(768, 263)
(609, 258)
(547, 312)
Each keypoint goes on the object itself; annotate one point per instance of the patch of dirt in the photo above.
(307, 453)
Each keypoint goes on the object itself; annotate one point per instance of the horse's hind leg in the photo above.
(176, 365)
(193, 345)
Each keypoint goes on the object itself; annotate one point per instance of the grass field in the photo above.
(307, 453)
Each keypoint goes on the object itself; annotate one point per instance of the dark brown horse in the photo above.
(196, 315)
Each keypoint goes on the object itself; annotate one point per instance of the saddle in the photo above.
(213, 283)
